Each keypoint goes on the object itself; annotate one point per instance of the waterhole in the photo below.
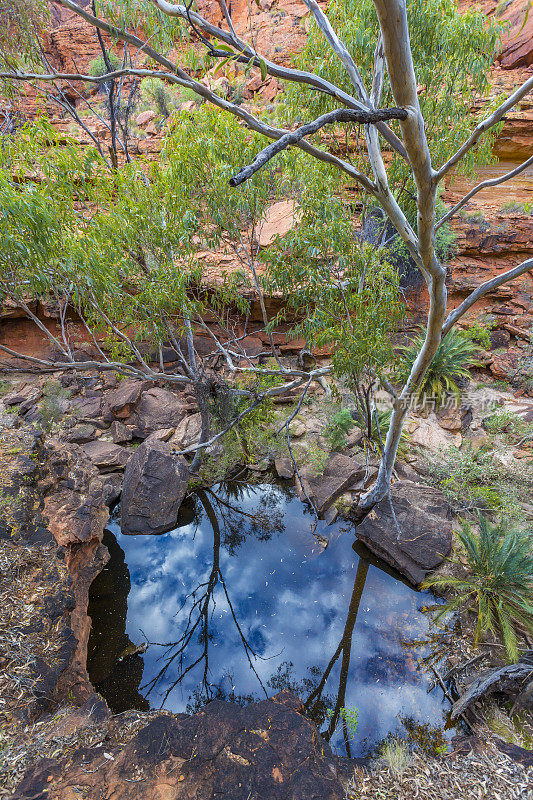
(243, 599)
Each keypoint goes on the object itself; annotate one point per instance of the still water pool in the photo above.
(241, 600)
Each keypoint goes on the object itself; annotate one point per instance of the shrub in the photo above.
(396, 756)
(479, 332)
(50, 408)
(316, 460)
(517, 208)
(156, 92)
(337, 429)
(475, 480)
(97, 66)
(509, 423)
(454, 356)
(499, 583)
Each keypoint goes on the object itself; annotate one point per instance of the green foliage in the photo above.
(479, 332)
(455, 355)
(452, 55)
(499, 583)
(343, 291)
(350, 717)
(338, 428)
(136, 257)
(23, 23)
(316, 459)
(476, 480)
(517, 208)
(50, 408)
(98, 67)
(166, 98)
(515, 427)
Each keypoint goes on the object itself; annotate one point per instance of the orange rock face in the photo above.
(517, 40)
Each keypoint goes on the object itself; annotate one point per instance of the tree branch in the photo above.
(484, 126)
(294, 137)
(483, 185)
(482, 290)
(284, 73)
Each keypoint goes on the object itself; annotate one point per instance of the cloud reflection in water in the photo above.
(242, 601)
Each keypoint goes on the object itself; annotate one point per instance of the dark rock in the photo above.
(340, 473)
(112, 488)
(85, 407)
(266, 751)
(158, 408)
(155, 483)
(424, 519)
(284, 468)
(34, 416)
(123, 400)
(120, 433)
(81, 434)
(30, 402)
(499, 338)
(77, 517)
(106, 456)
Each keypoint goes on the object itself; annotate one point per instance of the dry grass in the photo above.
(490, 775)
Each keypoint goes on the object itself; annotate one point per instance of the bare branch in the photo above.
(339, 49)
(483, 289)
(484, 126)
(295, 76)
(484, 185)
(294, 137)
(379, 73)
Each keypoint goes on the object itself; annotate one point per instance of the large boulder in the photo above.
(123, 401)
(340, 473)
(187, 433)
(266, 751)
(158, 408)
(107, 456)
(155, 483)
(424, 521)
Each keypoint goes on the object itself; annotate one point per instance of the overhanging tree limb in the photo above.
(484, 185)
(484, 126)
(292, 138)
(484, 289)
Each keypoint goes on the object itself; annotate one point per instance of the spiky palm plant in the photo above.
(455, 354)
(499, 585)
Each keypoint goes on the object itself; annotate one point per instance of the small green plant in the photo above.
(454, 356)
(156, 92)
(498, 585)
(317, 459)
(350, 717)
(474, 216)
(97, 67)
(514, 727)
(514, 427)
(50, 408)
(517, 208)
(479, 332)
(337, 429)
(476, 480)
(396, 756)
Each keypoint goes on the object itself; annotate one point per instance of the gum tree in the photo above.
(405, 147)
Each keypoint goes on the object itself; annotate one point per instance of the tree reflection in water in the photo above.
(239, 602)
